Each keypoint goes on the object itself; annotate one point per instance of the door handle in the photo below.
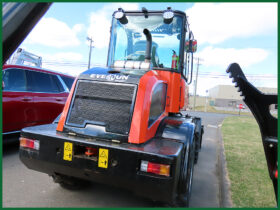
(58, 99)
(26, 99)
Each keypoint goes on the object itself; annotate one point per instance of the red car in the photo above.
(32, 96)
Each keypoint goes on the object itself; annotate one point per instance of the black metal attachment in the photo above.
(259, 105)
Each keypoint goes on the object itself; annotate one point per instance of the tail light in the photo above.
(29, 143)
(155, 168)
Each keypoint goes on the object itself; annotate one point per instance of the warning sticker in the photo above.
(103, 158)
(68, 148)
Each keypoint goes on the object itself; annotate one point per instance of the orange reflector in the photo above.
(29, 143)
(164, 170)
(155, 168)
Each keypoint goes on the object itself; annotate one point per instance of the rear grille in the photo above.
(102, 103)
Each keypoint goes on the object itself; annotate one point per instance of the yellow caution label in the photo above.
(68, 150)
(103, 158)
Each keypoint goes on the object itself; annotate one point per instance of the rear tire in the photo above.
(184, 198)
(197, 147)
(70, 183)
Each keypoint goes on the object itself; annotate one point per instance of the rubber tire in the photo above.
(197, 148)
(70, 183)
(184, 199)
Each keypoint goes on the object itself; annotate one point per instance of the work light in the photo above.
(120, 15)
(168, 15)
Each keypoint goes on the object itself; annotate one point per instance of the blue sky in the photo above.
(226, 32)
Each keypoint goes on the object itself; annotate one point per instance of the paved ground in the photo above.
(25, 188)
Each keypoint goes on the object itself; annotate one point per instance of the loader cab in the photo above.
(143, 83)
(168, 31)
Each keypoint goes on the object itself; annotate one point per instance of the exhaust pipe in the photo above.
(149, 45)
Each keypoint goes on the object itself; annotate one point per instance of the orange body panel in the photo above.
(182, 93)
(62, 119)
(139, 130)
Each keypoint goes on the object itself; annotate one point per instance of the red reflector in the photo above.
(29, 143)
(276, 174)
(153, 168)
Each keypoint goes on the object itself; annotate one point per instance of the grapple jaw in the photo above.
(259, 104)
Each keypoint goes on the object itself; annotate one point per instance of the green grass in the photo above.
(246, 164)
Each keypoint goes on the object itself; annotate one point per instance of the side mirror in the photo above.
(191, 46)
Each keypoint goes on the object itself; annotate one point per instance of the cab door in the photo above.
(17, 101)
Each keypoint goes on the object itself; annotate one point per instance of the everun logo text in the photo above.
(109, 77)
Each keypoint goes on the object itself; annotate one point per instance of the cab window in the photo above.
(158, 102)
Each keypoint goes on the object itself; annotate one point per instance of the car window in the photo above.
(57, 83)
(68, 81)
(14, 80)
(43, 82)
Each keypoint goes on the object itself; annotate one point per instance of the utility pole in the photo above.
(206, 101)
(194, 101)
(90, 47)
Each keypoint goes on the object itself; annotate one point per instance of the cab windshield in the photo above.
(128, 42)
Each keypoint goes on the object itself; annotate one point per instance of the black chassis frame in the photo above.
(125, 174)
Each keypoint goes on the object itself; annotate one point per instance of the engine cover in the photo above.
(102, 103)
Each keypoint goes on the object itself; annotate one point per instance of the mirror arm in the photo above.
(187, 78)
(191, 71)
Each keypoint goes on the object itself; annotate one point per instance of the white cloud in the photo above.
(78, 28)
(54, 33)
(100, 22)
(63, 56)
(222, 57)
(73, 70)
(66, 62)
(214, 22)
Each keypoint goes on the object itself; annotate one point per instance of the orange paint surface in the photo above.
(62, 119)
(139, 130)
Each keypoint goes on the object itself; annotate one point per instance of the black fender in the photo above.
(199, 130)
(180, 129)
(177, 128)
